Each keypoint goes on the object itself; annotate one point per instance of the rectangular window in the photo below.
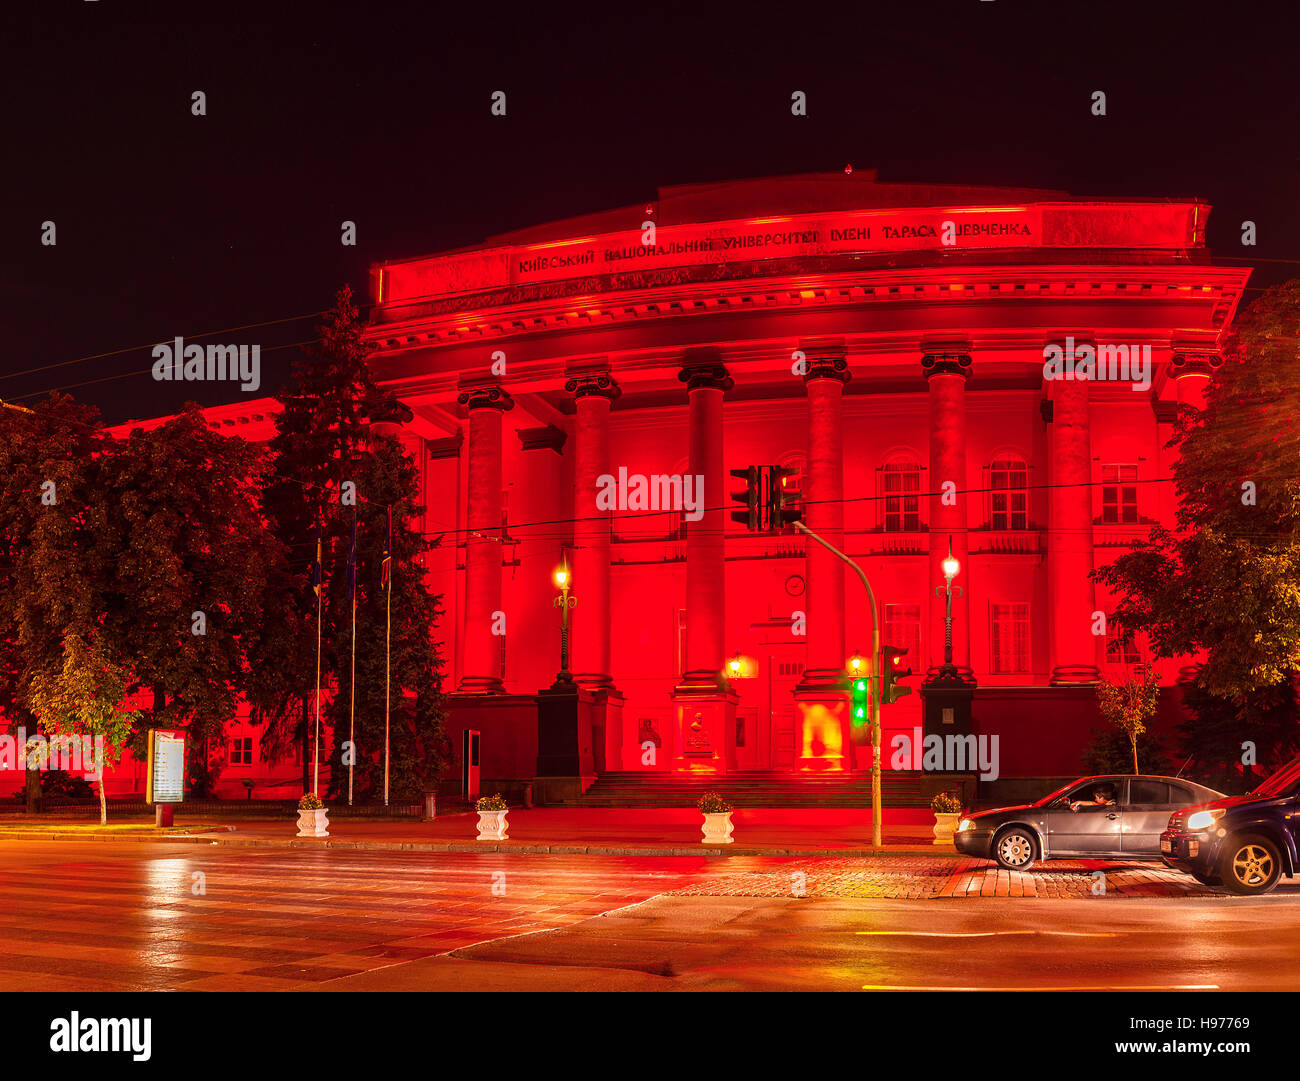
(241, 751)
(1009, 495)
(1009, 638)
(1119, 494)
(903, 630)
(902, 498)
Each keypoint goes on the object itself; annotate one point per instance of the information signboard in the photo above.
(165, 778)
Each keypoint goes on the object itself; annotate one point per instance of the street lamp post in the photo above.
(950, 569)
(563, 579)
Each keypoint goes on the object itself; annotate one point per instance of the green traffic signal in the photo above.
(861, 702)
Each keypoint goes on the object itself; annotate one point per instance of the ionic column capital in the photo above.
(487, 396)
(703, 369)
(946, 363)
(825, 358)
(594, 385)
(1195, 363)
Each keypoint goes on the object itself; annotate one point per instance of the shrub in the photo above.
(946, 803)
(310, 802)
(491, 803)
(713, 804)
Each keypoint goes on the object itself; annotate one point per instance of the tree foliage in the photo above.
(1129, 705)
(332, 466)
(1225, 581)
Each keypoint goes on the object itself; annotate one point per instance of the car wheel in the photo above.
(1251, 864)
(1015, 849)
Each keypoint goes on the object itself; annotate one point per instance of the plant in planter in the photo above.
(312, 816)
(717, 819)
(492, 811)
(947, 811)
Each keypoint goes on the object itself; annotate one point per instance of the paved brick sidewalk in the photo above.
(938, 878)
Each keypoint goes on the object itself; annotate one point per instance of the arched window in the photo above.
(1009, 494)
(902, 495)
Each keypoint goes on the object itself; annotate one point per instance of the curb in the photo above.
(472, 846)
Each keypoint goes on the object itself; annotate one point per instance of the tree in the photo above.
(1230, 746)
(331, 467)
(1110, 751)
(1129, 705)
(128, 566)
(190, 560)
(1224, 582)
(59, 667)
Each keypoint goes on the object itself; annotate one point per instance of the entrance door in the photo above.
(783, 676)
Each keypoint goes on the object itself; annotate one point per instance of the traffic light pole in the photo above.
(875, 684)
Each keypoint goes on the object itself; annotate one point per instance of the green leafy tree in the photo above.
(1111, 751)
(1232, 746)
(190, 561)
(1129, 705)
(1224, 582)
(60, 666)
(332, 466)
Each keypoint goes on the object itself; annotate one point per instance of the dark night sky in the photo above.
(319, 112)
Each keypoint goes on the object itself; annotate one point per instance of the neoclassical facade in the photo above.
(892, 343)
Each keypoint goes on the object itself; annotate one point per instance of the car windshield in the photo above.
(1280, 781)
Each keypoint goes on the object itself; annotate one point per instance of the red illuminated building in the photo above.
(887, 341)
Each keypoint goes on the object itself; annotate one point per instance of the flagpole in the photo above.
(320, 596)
(388, 650)
(352, 706)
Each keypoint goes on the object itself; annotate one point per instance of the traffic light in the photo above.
(749, 498)
(893, 667)
(783, 497)
(860, 715)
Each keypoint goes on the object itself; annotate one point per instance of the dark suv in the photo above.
(1245, 843)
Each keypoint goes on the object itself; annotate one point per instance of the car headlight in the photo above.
(964, 825)
(1203, 820)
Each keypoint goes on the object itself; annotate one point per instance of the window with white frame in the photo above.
(241, 751)
(1119, 494)
(1009, 638)
(1009, 494)
(901, 482)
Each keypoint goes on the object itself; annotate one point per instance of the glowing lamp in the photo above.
(562, 577)
(951, 566)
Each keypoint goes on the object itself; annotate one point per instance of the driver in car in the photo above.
(1103, 795)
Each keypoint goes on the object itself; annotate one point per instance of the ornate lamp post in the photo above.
(563, 580)
(950, 568)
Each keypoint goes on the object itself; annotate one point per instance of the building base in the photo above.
(705, 728)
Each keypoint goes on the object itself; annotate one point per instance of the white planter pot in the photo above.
(945, 825)
(492, 826)
(313, 823)
(717, 829)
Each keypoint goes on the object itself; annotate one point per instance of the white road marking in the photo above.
(1050, 987)
(991, 934)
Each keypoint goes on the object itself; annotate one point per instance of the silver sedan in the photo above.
(1104, 817)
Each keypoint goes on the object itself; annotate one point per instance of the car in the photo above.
(1244, 843)
(1108, 816)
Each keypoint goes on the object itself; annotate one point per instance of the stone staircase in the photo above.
(753, 788)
